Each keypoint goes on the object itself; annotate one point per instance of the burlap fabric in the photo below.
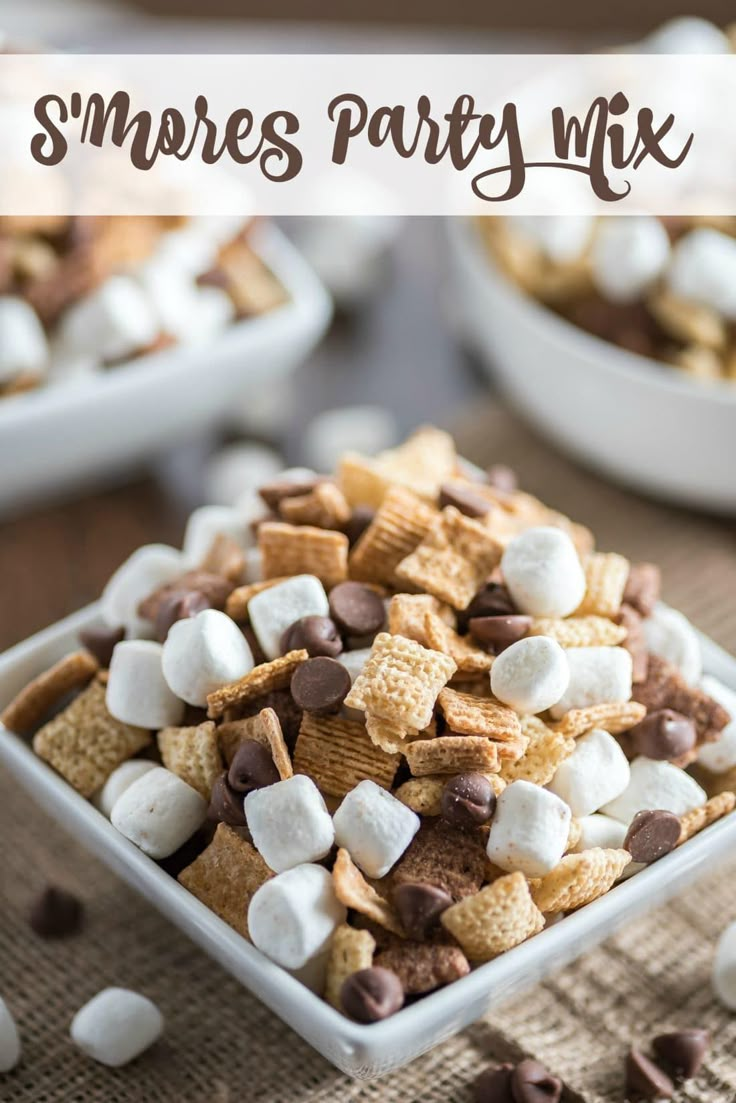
(222, 1046)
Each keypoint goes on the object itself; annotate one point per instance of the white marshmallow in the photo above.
(703, 270)
(292, 917)
(171, 293)
(9, 1039)
(374, 827)
(253, 571)
(208, 522)
(652, 786)
(204, 653)
(237, 469)
(628, 254)
(120, 780)
(116, 1026)
(158, 812)
(289, 823)
(23, 345)
(721, 755)
(354, 661)
(595, 773)
(113, 321)
(529, 829)
(560, 237)
(531, 674)
(687, 34)
(145, 570)
(670, 635)
(723, 974)
(602, 831)
(364, 429)
(543, 572)
(598, 675)
(137, 692)
(190, 249)
(274, 609)
(212, 311)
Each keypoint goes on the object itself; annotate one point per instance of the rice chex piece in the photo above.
(615, 718)
(495, 919)
(443, 637)
(579, 878)
(226, 876)
(350, 951)
(590, 631)
(606, 574)
(699, 818)
(452, 754)
(545, 751)
(455, 557)
(407, 612)
(338, 754)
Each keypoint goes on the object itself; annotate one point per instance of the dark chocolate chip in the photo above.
(499, 632)
(275, 492)
(468, 800)
(502, 478)
(651, 835)
(492, 600)
(320, 685)
(465, 499)
(356, 609)
(252, 767)
(55, 913)
(100, 641)
(664, 735)
(314, 634)
(531, 1082)
(226, 805)
(420, 906)
(644, 1079)
(371, 994)
(360, 519)
(683, 1050)
(178, 605)
(494, 1085)
(255, 648)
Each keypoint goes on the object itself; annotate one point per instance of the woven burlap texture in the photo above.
(222, 1046)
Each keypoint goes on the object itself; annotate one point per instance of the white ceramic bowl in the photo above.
(625, 415)
(60, 436)
(364, 1052)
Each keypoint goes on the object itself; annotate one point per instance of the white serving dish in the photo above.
(625, 415)
(364, 1052)
(68, 434)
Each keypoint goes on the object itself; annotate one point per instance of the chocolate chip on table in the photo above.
(531, 1082)
(502, 478)
(371, 994)
(419, 906)
(360, 519)
(651, 835)
(55, 913)
(499, 632)
(465, 499)
(644, 1079)
(252, 767)
(100, 641)
(178, 606)
(320, 685)
(356, 609)
(314, 634)
(494, 1085)
(468, 800)
(683, 1050)
(226, 804)
(664, 734)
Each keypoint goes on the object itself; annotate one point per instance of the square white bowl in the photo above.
(364, 1052)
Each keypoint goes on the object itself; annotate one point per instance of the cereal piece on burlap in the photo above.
(443, 855)
(421, 464)
(452, 754)
(226, 876)
(424, 794)
(453, 560)
(262, 679)
(592, 631)
(400, 524)
(214, 587)
(579, 878)
(237, 603)
(84, 743)
(605, 577)
(324, 506)
(264, 728)
(225, 558)
(39, 697)
(407, 612)
(350, 951)
(478, 716)
(303, 549)
(698, 818)
(193, 754)
(443, 637)
(544, 753)
(352, 890)
(665, 688)
(614, 718)
(338, 754)
(495, 919)
(423, 966)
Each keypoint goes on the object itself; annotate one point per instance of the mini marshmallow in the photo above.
(374, 827)
(293, 916)
(120, 780)
(113, 321)
(23, 345)
(273, 610)
(703, 270)
(598, 675)
(655, 785)
(190, 249)
(212, 311)
(171, 292)
(561, 238)
(354, 661)
(237, 469)
(209, 522)
(602, 831)
(137, 692)
(116, 1026)
(628, 254)
(543, 572)
(203, 653)
(158, 812)
(364, 429)
(721, 755)
(670, 635)
(289, 823)
(687, 34)
(253, 570)
(144, 571)
(723, 974)
(530, 675)
(529, 830)
(9, 1039)
(595, 773)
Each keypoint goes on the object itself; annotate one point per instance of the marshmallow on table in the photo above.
(530, 675)
(116, 1026)
(208, 522)
(144, 571)
(627, 255)
(598, 675)
(703, 270)
(687, 34)
(529, 829)
(113, 321)
(23, 345)
(721, 755)
(560, 237)
(289, 823)
(238, 468)
(595, 773)
(653, 786)
(9, 1039)
(293, 916)
(204, 653)
(120, 780)
(273, 610)
(543, 573)
(158, 813)
(137, 692)
(374, 827)
(723, 975)
(364, 429)
(670, 635)
(602, 831)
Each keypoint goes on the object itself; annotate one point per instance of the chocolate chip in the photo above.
(360, 519)
(252, 640)
(320, 685)
(226, 805)
(371, 994)
(502, 478)
(664, 735)
(644, 1079)
(468, 800)
(100, 641)
(683, 1050)
(357, 609)
(651, 835)
(492, 600)
(275, 492)
(499, 632)
(178, 605)
(531, 1082)
(420, 906)
(465, 499)
(252, 767)
(55, 913)
(314, 634)
(494, 1085)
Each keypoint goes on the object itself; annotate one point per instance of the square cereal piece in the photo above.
(324, 507)
(590, 631)
(614, 718)
(262, 679)
(478, 716)
(400, 524)
(39, 697)
(407, 612)
(338, 754)
(226, 558)
(390, 737)
(352, 890)
(452, 754)
(665, 688)
(495, 919)
(350, 951)
(605, 575)
(579, 878)
(422, 464)
(699, 818)
(545, 751)
(443, 637)
(456, 556)
(443, 855)
(237, 603)
(193, 754)
(303, 549)
(423, 966)
(424, 794)
(226, 876)
(84, 743)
